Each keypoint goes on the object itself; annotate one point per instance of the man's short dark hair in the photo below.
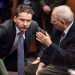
(24, 8)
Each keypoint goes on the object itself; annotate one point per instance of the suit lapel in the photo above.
(30, 39)
(68, 36)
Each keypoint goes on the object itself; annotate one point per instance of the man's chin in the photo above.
(23, 30)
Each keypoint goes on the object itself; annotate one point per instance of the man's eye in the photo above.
(21, 20)
(28, 20)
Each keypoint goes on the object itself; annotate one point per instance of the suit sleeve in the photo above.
(2, 32)
(55, 54)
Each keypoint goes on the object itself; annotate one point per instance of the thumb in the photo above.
(48, 34)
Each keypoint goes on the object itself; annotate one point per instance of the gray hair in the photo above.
(64, 12)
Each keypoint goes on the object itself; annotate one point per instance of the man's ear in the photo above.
(62, 21)
(15, 18)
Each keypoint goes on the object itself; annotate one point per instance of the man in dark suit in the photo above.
(56, 60)
(9, 33)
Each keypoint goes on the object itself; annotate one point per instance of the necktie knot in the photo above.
(62, 36)
(20, 34)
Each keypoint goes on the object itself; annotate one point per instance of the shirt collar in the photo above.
(66, 30)
(18, 31)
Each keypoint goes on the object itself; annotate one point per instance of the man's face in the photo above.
(23, 20)
(58, 24)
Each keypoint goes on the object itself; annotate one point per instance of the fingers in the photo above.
(44, 39)
(40, 35)
(47, 34)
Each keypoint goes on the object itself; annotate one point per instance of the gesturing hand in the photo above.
(44, 39)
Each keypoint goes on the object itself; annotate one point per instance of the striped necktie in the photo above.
(61, 39)
(62, 36)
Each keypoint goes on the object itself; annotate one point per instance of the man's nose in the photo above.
(25, 23)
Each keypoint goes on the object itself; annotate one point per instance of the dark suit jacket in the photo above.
(7, 37)
(63, 56)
